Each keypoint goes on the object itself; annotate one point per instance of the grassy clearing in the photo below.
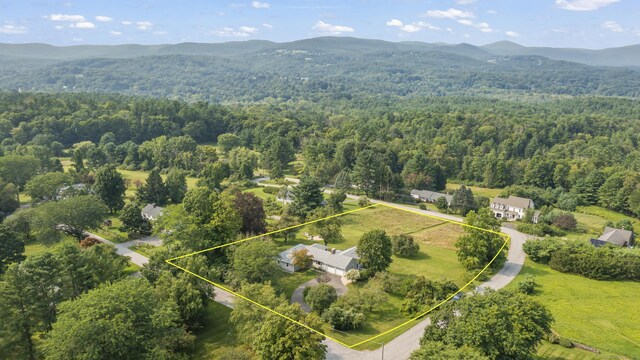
(113, 233)
(259, 192)
(477, 190)
(602, 314)
(146, 249)
(287, 283)
(218, 336)
(548, 351)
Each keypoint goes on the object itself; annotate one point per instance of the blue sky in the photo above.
(558, 23)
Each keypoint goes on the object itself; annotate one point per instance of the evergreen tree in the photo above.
(132, 219)
(307, 196)
(109, 187)
(11, 247)
(463, 200)
(154, 190)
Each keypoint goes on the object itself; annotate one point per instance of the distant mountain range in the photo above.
(619, 56)
(318, 67)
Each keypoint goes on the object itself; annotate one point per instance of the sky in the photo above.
(593, 24)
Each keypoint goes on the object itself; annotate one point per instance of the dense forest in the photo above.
(563, 152)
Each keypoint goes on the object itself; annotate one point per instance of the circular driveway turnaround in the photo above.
(298, 293)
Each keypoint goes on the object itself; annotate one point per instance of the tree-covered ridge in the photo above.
(325, 73)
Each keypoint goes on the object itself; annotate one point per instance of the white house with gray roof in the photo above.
(430, 196)
(513, 208)
(151, 212)
(326, 259)
(617, 237)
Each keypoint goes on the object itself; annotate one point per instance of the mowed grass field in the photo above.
(477, 190)
(601, 314)
(141, 176)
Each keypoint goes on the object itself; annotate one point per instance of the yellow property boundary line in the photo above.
(223, 287)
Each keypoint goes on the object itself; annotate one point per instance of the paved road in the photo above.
(298, 293)
(402, 346)
(135, 258)
(149, 240)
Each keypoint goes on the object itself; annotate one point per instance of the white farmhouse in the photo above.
(328, 260)
(513, 208)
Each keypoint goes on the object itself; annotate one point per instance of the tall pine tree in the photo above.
(154, 190)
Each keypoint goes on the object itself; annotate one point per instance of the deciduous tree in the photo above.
(109, 187)
(374, 249)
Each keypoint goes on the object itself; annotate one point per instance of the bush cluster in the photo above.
(604, 263)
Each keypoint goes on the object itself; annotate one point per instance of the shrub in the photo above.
(527, 285)
(540, 251)
(422, 206)
(391, 283)
(89, 241)
(363, 202)
(404, 245)
(564, 342)
(353, 275)
(320, 297)
(343, 319)
(423, 293)
(566, 221)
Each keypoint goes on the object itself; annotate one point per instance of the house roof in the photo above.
(598, 243)
(431, 195)
(152, 210)
(616, 236)
(321, 253)
(514, 201)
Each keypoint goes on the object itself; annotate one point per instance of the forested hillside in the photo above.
(311, 69)
(579, 150)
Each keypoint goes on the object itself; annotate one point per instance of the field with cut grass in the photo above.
(548, 351)
(146, 249)
(477, 190)
(601, 314)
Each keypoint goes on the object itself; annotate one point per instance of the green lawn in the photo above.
(601, 314)
(146, 249)
(477, 190)
(217, 337)
(113, 233)
(288, 282)
(259, 192)
(548, 351)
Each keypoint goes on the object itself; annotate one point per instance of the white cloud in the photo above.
(268, 26)
(583, 5)
(77, 39)
(483, 26)
(63, 17)
(394, 22)
(260, 5)
(160, 33)
(427, 25)
(83, 25)
(143, 25)
(450, 14)
(492, 12)
(247, 29)
(465, 2)
(13, 29)
(410, 28)
(115, 33)
(512, 33)
(330, 29)
(104, 18)
(613, 26)
(242, 31)
(59, 27)
(125, 22)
